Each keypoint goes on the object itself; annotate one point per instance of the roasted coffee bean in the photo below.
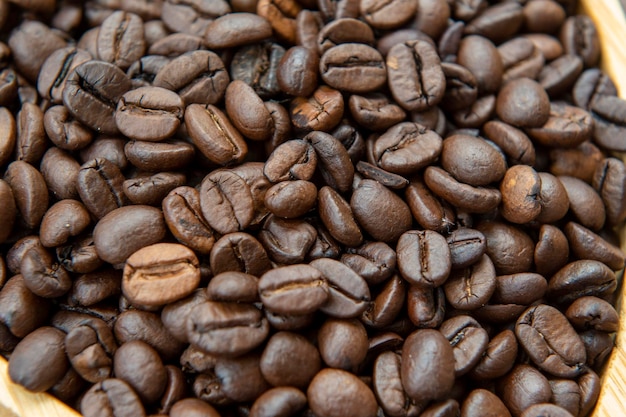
(228, 329)
(321, 111)
(543, 409)
(598, 345)
(389, 15)
(93, 287)
(550, 341)
(587, 245)
(464, 196)
(523, 288)
(239, 252)
(552, 250)
(386, 305)
(498, 358)
(160, 274)
(125, 230)
(257, 65)
(561, 74)
(191, 17)
(121, 39)
(110, 148)
(608, 119)
(100, 186)
(580, 278)
(8, 135)
(196, 76)
(426, 306)
(579, 37)
(523, 387)
(168, 155)
(374, 261)
(60, 171)
(606, 181)
(523, 103)
(286, 351)
(43, 275)
(430, 212)
(375, 111)
(387, 385)
(426, 354)
(333, 160)
(480, 56)
(233, 286)
(592, 313)
(113, 395)
(584, 201)
(247, 111)
(369, 201)
(416, 79)
(344, 30)
(29, 191)
(236, 29)
(91, 93)
(174, 315)
(466, 247)
(31, 140)
(509, 248)
(338, 217)
(139, 365)
(21, 311)
(149, 113)
(298, 71)
(343, 344)
(293, 289)
(39, 361)
(293, 160)
(423, 258)
(461, 87)
(291, 199)
(521, 197)
(278, 402)
(348, 293)
(191, 406)
(340, 65)
(7, 216)
(337, 393)
(287, 241)
(480, 401)
(472, 160)
(471, 287)
(90, 346)
(151, 189)
(468, 340)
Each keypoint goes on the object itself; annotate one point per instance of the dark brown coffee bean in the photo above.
(375, 111)
(567, 126)
(113, 395)
(498, 358)
(298, 71)
(513, 142)
(227, 329)
(192, 407)
(8, 135)
(587, 245)
(287, 241)
(293, 160)
(60, 171)
(423, 258)
(477, 114)
(426, 306)
(337, 393)
(196, 76)
(29, 191)
(466, 247)
(386, 305)
(584, 201)
(236, 29)
(293, 289)
(580, 278)
(121, 39)
(592, 313)
(348, 293)
(31, 139)
(598, 345)
(480, 401)
(430, 212)
(337, 216)
(552, 250)
(553, 199)
(406, 148)
(278, 402)
(333, 160)
(189, 17)
(521, 197)
(463, 196)
(324, 246)
(523, 103)
(471, 287)
(343, 344)
(521, 58)
(151, 189)
(461, 87)
(559, 75)
(468, 340)
(42, 275)
(416, 79)
(369, 201)
(91, 94)
(286, 351)
(480, 56)
(472, 160)
(100, 186)
(226, 201)
(523, 387)
(160, 274)
(281, 14)
(174, 316)
(374, 261)
(606, 181)
(139, 365)
(427, 354)
(63, 220)
(169, 155)
(387, 15)
(90, 346)
(257, 65)
(340, 65)
(510, 248)
(523, 288)
(233, 286)
(321, 111)
(93, 287)
(247, 111)
(344, 30)
(579, 37)
(550, 341)
(592, 84)
(38, 361)
(110, 148)
(388, 179)
(125, 230)
(21, 311)
(149, 113)
(8, 214)
(239, 252)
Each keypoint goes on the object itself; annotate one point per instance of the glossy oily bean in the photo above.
(353, 67)
(521, 198)
(592, 313)
(550, 341)
(374, 261)
(523, 103)
(416, 79)
(343, 344)
(606, 180)
(509, 248)
(480, 56)
(90, 97)
(523, 387)
(298, 71)
(7, 216)
(479, 401)
(159, 274)
(90, 346)
(239, 252)
(278, 402)
(348, 293)
(387, 304)
(63, 220)
(583, 201)
(369, 201)
(333, 160)
(375, 111)
(461, 87)
(149, 113)
(468, 340)
(523, 288)
(321, 111)
(423, 258)
(294, 289)
(43, 275)
(236, 29)
(293, 160)
(581, 278)
(121, 39)
(472, 160)
(429, 211)
(471, 287)
(587, 245)
(196, 76)
(498, 358)
(291, 199)
(112, 394)
(466, 247)
(567, 126)
(100, 186)
(427, 356)
(552, 250)
(127, 229)
(286, 351)
(338, 217)
(26, 367)
(344, 30)
(257, 66)
(151, 189)
(233, 286)
(287, 241)
(553, 199)
(337, 393)
(21, 311)
(139, 365)
(464, 196)
(387, 386)
(29, 191)
(497, 22)
(60, 171)
(252, 119)
(184, 219)
(214, 135)
(227, 329)
(168, 155)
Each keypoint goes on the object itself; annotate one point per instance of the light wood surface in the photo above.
(17, 402)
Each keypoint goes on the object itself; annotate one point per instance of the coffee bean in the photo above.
(336, 393)
(480, 56)
(340, 64)
(338, 217)
(287, 241)
(479, 401)
(348, 293)
(498, 358)
(387, 15)
(471, 287)
(236, 29)
(280, 401)
(293, 289)
(29, 191)
(284, 352)
(113, 395)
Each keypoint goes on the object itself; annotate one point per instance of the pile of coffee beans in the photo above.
(325, 208)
